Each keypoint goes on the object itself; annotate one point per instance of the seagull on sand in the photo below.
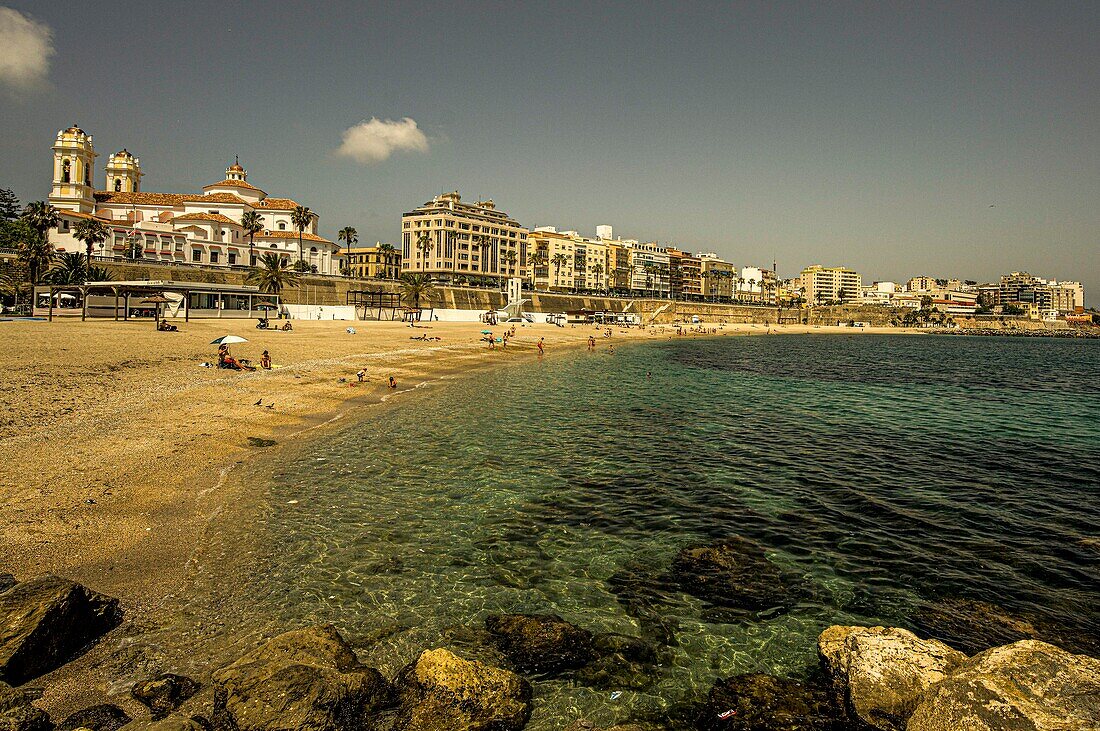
(270, 405)
(258, 402)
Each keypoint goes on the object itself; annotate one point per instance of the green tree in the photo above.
(424, 245)
(9, 205)
(1012, 310)
(40, 216)
(510, 257)
(387, 252)
(33, 250)
(416, 287)
(272, 274)
(557, 260)
(90, 231)
(301, 218)
(252, 223)
(349, 236)
(69, 268)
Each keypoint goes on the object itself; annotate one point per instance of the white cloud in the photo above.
(26, 46)
(376, 139)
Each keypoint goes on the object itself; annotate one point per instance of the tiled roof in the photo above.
(206, 217)
(232, 184)
(306, 236)
(78, 214)
(166, 199)
(282, 204)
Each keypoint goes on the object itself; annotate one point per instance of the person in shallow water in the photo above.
(393, 382)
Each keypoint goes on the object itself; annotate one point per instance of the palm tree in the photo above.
(557, 260)
(41, 217)
(387, 251)
(71, 268)
(348, 235)
(301, 217)
(424, 245)
(252, 224)
(35, 251)
(510, 257)
(482, 242)
(416, 287)
(597, 269)
(91, 231)
(272, 274)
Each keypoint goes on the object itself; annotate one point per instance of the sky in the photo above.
(896, 138)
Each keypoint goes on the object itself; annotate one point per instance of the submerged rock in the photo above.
(734, 573)
(17, 713)
(164, 693)
(620, 662)
(305, 679)
(46, 621)
(1026, 686)
(755, 702)
(443, 692)
(540, 643)
(881, 672)
(971, 625)
(104, 717)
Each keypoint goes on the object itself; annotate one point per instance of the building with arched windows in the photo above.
(183, 228)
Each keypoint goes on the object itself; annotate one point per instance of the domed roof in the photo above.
(75, 130)
(123, 153)
(235, 167)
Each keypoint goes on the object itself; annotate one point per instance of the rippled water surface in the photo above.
(883, 472)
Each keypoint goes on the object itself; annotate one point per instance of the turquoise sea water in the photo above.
(884, 472)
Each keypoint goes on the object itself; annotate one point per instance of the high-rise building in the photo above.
(447, 238)
(827, 285)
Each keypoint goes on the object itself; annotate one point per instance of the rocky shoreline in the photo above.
(1069, 333)
(868, 678)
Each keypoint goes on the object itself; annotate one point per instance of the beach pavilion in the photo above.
(123, 300)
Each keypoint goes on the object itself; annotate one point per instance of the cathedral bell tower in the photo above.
(73, 163)
(124, 173)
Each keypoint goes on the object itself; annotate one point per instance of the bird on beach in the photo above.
(258, 403)
(270, 405)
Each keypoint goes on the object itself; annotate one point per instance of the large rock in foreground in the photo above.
(763, 702)
(540, 643)
(443, 692)
(306, 679)
(17, 713)
(45, 621)
(1026, 686)
(881, 672)
(734, 572)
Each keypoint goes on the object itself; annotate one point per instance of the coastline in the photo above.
(118, 490)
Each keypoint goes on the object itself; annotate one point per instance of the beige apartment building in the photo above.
(449, 239)
(553, 259)
(618, 265)
(717, 277)
(825, 285)
(372, 262)
(590, 266)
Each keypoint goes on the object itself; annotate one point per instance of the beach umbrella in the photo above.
(265, 305)
(157, 300)
(227, 339)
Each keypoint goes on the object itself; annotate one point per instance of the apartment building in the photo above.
(449, 239)
(553, 259)
(718, 277)
(756, 284)
(590, 265)
(649, 273)
(381, 261)
(824, 285)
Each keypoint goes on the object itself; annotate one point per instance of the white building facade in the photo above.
(201, 229)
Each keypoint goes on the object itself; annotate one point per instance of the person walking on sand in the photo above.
(591, 343)
(540, 344)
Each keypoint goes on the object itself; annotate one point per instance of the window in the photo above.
(232, 258)
(66, 171)
(196, 254)
(214, 257)
(118, 184)
(282, 225)
(63, 226)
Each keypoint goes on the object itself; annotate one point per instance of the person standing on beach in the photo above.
(361, 374)
(540, 347)
(393, 382)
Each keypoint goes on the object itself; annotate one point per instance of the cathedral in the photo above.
(179, 228)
